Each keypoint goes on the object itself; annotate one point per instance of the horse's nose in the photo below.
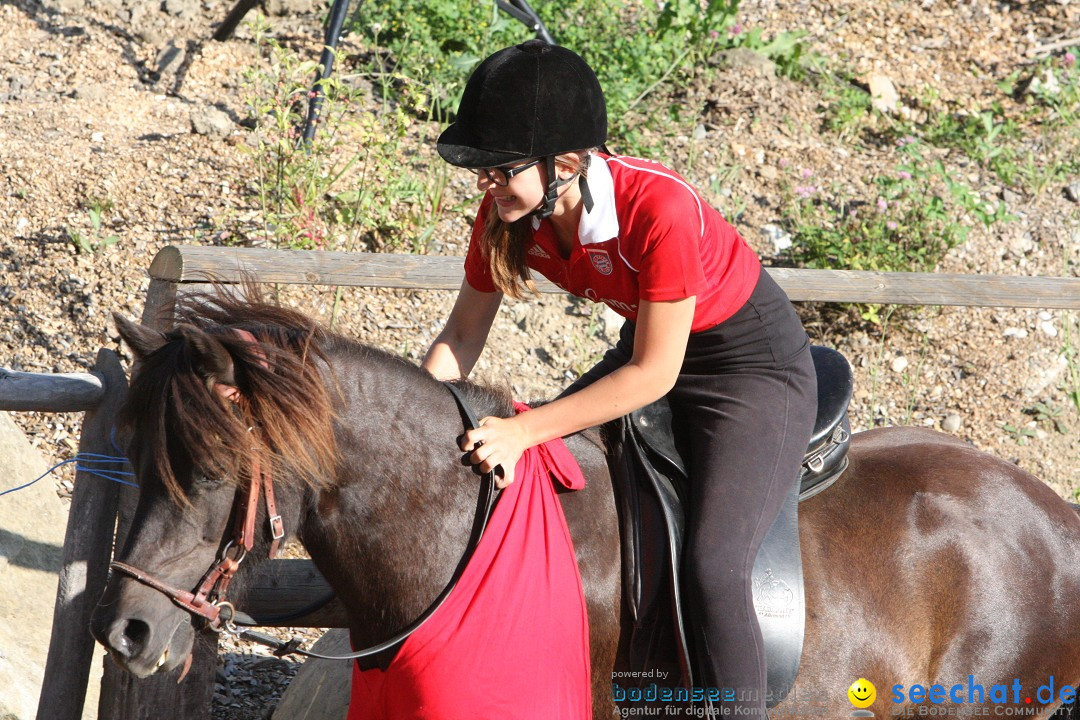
(126, 637)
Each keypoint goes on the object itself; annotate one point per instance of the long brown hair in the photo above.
(504, 244)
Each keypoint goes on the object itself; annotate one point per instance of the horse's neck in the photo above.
(390, 529)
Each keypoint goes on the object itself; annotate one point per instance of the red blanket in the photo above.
(512, 640)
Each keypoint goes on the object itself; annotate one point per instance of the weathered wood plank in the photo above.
(277, 589)
(87, 550)
(183, 264)
(49, 392)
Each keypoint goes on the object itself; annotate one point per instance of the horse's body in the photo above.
(928, 561)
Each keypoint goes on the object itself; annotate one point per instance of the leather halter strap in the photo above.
(215, 582)
(382, 654)
(216, 579)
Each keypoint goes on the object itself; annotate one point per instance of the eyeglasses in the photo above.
(501, 175)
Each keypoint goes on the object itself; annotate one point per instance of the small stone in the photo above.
(1048, 328)
(899, 364)
(1045, 315)
(288, 7)
(780, 238)
(745, 59)
(1015, 332)
(211, 121)
(951, 423)
(169, 60)
(1072, 191)
(700, 132)
(181, 8)
(768, 172)
(883, 95)
(1022, 244)
(98, 137)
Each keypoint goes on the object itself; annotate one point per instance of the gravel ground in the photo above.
(99, 100)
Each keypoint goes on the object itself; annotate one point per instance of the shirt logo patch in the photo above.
(600, 260)
(537, 251)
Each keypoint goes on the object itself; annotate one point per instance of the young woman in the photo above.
(704, 324)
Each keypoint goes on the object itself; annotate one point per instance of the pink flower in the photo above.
(807, 173)
(882, 204)
(891, 225)
(736, 29)
(906, 140)
(805, 191)
(904, 175)
(1069, 59)
(714, 34)
(784, 162)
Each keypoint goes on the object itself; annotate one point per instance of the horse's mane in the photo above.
(284, 391)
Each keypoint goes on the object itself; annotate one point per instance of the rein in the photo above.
(208, 600)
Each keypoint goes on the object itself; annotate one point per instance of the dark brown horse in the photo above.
(928, 563)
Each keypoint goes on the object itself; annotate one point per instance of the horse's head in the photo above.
(197, 393)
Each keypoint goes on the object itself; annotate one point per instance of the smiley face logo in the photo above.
(862, 693)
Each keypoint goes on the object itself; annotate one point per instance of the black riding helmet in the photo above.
(526, 101)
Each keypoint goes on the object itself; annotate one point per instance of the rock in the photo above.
(288, 7)
(883, 95)
(951, 423)
(745, 59)
(613, 323)
(61, 6)
(32, 522)
(1072, 191)
(1021, 244)
(211, 122)
(768, 172)
(899, 364)
(1048, 328)
(320, 690)
(1015, 332)
(779, 237)
(169, 60)
(181, 8)
(700, 132)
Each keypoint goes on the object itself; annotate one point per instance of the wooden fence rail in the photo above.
(284, 586)
(303, 267)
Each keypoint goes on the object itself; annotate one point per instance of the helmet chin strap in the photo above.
(551, 195)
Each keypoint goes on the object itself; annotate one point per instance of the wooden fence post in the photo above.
(86, 555)
(158, 697)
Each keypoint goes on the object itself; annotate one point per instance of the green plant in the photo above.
(342, 189)
(1047, 414)
(907, 225)
(1071, 350)
(90, 242)
(846, 105)
(1022, 435)
(641, 51)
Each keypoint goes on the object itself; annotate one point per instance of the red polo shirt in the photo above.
(650, 236)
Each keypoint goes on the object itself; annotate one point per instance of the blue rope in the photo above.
(106, 473)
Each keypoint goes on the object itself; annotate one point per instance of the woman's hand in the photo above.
(497, 442)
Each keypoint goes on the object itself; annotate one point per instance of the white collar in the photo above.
(602, 224)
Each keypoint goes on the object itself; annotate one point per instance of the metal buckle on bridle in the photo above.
(225, 622)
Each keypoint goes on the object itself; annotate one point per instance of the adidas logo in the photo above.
(537, 251)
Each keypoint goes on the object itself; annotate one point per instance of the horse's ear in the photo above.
(141, 339)
(209, 358)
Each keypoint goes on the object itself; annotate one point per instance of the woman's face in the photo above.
(520, 196)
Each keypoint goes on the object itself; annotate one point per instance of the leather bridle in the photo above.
(208, 600)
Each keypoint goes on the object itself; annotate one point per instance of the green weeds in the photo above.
(353, 186)
(96, 238)
(639, 50)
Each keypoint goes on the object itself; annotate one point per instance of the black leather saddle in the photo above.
(650, 478)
